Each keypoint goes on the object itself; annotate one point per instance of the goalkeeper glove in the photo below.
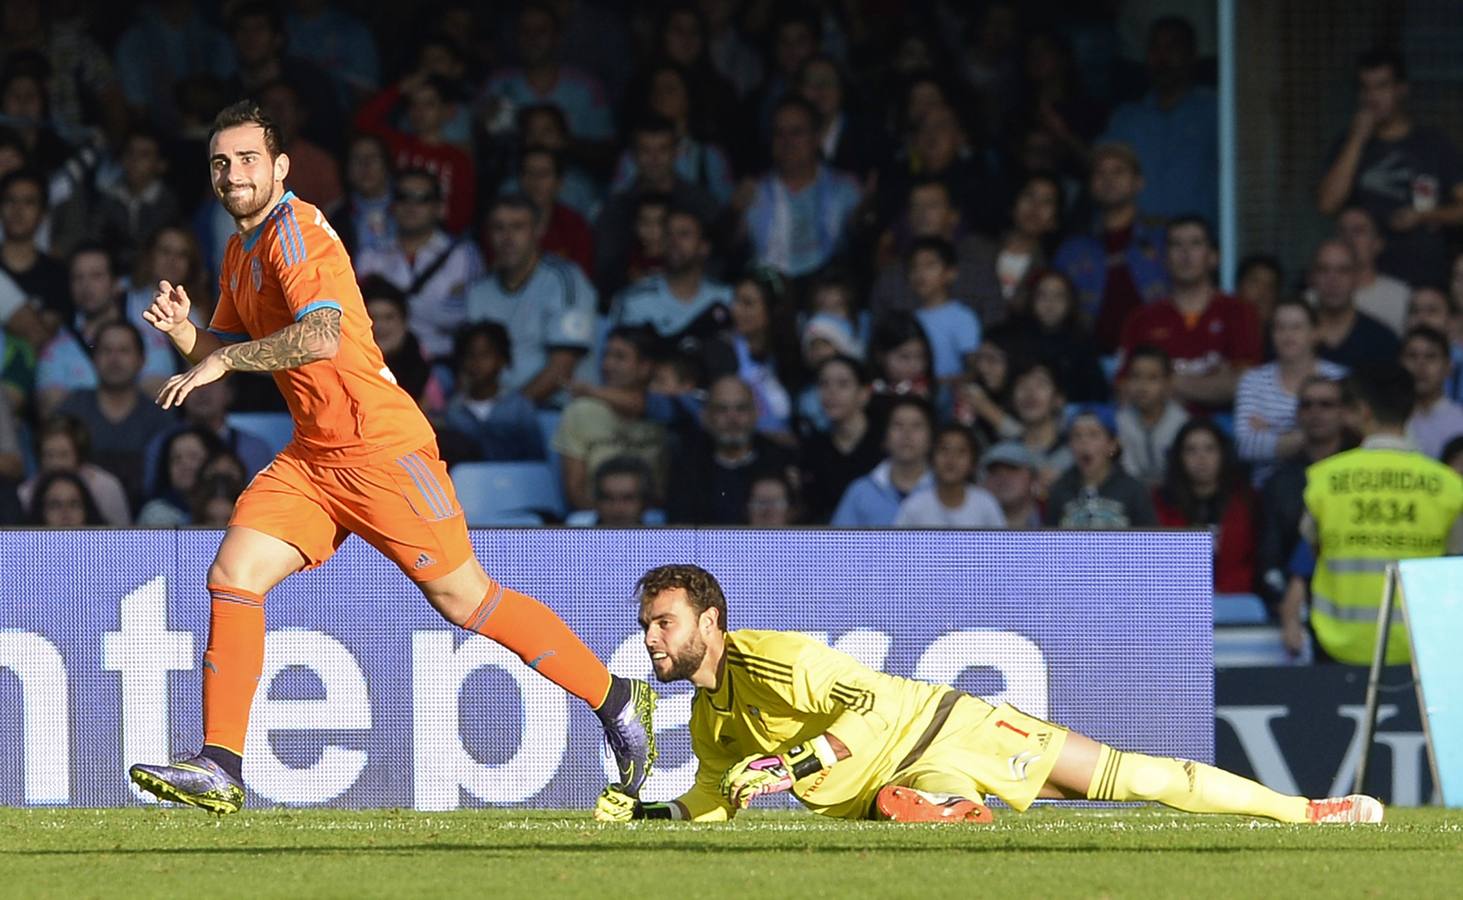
(758, 775)
(614, 805)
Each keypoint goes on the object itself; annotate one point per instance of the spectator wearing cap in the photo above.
(1095, 492)
(1119, 267)
(1211, 336)
(953, 501)
(873, 500)
(681, 303)
(1149, 417)
(825, 336)
(1174, 128)
(1009, 472)
(1204, 487)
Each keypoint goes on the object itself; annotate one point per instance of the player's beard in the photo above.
(685, 663)
(249, 203)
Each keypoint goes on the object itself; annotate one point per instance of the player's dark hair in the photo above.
(32, 176)
(642, 338)
(36, 513)
(1387, 389)
(492, 332)
(932, 244)
(1430, 335)
(1192, 221)
(128, 327)
(1383, 58)
(247, 112)
(702, 590)
(625, 464)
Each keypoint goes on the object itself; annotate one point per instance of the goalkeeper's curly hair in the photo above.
(701, 587)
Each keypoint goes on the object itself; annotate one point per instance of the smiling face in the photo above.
(245, 179)
(675, 635)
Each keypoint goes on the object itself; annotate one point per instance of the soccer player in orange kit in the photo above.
(363, 460)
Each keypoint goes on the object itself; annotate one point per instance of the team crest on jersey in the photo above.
(256, 270)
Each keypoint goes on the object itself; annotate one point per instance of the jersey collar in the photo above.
(252, 238)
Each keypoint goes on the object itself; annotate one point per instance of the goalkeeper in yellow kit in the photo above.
(778, 711)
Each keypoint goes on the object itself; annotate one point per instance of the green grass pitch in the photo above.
(1048, 852)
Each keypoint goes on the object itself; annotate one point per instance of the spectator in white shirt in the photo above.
(953, 501)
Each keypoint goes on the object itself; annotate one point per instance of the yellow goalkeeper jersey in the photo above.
(779, 689)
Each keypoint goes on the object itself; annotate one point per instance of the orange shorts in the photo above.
(406, 508)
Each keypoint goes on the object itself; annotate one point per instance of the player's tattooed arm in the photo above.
(315, 336)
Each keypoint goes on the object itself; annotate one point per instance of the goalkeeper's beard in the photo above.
(685, 663)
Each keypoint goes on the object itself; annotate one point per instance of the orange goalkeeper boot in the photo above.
(906, 804)
(1353, 808)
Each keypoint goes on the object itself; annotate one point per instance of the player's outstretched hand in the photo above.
(177, 388)
(615, 805)
(169, 309)
(755, 776)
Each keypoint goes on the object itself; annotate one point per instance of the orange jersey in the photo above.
(347, 410)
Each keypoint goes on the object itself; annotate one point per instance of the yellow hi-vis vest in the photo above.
(1373, 507)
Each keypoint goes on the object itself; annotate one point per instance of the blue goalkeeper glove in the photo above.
(758, 775)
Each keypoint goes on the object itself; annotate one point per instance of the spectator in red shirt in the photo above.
(429, 109)
(1205, 488)
(1211, 337)
(561, 230)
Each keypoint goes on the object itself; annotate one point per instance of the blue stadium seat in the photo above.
(274, 429)
(1239, 609)
(548, 423)
(516, 493)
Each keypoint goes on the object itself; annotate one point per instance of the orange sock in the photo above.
(231, 665)
(541, 639)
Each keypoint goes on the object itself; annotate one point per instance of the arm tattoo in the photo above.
(313, 337)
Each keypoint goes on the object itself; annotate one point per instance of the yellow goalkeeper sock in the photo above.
(1190, 786)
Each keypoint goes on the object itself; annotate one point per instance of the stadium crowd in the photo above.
(720, 262)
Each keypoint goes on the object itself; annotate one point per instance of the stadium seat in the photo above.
(274, 429)
(495, 493)
(1239, 609)
(548, 423)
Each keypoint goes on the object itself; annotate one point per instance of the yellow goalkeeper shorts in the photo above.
(984, 749)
